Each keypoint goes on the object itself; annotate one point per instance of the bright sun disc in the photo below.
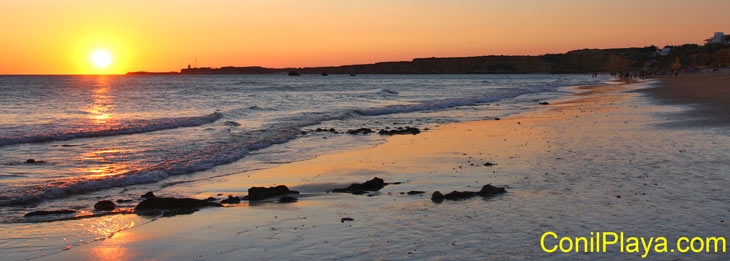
(101, 58)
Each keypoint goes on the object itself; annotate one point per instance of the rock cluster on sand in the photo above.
(400, 131)
(486, 191)
(104, 205)
(230, 200)
(171, 206)
(374, 184)
(332, 130)
(387, 131)
(33, 161)
(360, 131)
(259, 193)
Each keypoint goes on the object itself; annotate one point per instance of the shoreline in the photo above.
(450, 157)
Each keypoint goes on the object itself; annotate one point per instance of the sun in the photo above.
(101, 58)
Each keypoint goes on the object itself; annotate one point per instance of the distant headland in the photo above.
(619, 60)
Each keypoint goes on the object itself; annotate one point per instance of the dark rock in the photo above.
(324, 74)
(171, 206)
(332, 130)
(360, 131)
(496, 119)
(287, 199)
(352, 74)
(437, 196)
(232, 123)
(489, 190)
(259, 193)
(544, 103)
(400, 131)
(33, 161)
(488, 164)
(211, 199)
(124, 200)
(346, 219)
(415, 192)
(231, 200)
(148, 195)
(459, 195)
(374, 184)
(294, 73)
(486, 191)
(49, 212)
(105, 205)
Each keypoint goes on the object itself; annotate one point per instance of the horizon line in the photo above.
(325, 66)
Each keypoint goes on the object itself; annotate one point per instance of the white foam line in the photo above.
(141, 126)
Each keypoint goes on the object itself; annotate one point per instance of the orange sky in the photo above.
(57, 37)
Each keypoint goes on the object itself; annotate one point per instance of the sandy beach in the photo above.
(603, 159)
(707, 90)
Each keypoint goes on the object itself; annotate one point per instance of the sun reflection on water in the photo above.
(102, 102)
(107, 163)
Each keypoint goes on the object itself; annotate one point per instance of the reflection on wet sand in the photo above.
(110, 227)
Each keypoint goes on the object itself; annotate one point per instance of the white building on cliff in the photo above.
(717, 38)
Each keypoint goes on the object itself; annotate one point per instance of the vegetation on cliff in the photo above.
(619, 60)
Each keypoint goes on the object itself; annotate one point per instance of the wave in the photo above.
(435, 104)
(219, 152)
(199, 160)
(125, 128)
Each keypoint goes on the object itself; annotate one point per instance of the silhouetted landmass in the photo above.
(233, 70)
(150, 73)
(579, 61)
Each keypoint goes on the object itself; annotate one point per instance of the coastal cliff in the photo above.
(617, 60)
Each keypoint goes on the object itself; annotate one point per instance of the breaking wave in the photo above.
(124, 128)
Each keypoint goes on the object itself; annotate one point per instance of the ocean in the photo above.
(117, 137)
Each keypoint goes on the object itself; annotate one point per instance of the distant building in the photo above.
(717, 38)
(663, 52)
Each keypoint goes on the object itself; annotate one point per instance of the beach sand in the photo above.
(709, 92)
(601, 160)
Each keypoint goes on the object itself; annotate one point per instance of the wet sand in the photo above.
(709, 92)
(600, 160)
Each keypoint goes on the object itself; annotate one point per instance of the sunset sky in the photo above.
(59, 37)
